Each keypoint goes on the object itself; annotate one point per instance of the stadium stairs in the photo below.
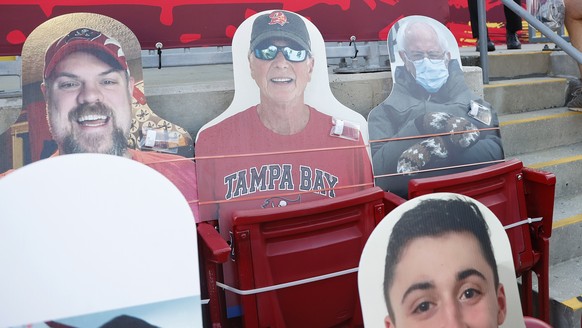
(529, 87)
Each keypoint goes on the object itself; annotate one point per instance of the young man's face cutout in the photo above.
(440, 282)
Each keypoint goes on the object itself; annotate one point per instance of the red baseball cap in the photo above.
(104, 47)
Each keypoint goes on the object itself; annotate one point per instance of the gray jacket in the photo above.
(395, 117)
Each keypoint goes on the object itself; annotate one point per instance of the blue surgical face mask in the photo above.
(431, 74)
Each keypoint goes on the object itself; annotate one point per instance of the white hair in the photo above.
(401, 39)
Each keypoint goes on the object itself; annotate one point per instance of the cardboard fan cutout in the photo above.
(82, 249)
(317, 92)
(433, 247)
(284, 139)
(431, 123)
(148, 130)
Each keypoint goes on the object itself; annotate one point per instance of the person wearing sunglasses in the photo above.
(429, 98)
(281, 64)
(281, 151)
(268, 149)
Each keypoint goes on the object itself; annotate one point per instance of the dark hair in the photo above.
(127, 321)
(435, 218)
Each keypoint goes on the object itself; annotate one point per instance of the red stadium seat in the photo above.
(213, 250)
(295, 244)
(513, 193)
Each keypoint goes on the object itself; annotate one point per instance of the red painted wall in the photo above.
(192, 23)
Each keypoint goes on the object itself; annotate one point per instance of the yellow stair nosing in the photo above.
(568, 221)
(573, 303)
(499, 54)
(528, 82)
(538, 118)
(562, 160)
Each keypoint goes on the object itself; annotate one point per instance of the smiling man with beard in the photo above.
(88, 91)
(88, 88)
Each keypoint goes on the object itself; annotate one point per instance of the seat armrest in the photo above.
(540, 193)
(391, 201)
(215, 248)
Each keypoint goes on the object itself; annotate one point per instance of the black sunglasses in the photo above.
(270, 52)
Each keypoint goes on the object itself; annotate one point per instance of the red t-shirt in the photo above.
(270, 170)
(179, 170)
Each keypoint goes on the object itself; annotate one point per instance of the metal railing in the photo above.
(541, 27)
(353, 57)
(534, 38)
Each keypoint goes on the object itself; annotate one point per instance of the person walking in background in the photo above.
(512, 25)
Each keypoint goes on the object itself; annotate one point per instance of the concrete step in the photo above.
(538, 130)
(174, 91)
(561, 64)
(512, 64)
(566, 293)
(565, 244)
(564, 161)
(192, 96)
(526, 94)
(523, 80)
(566, 230)
(503, 63)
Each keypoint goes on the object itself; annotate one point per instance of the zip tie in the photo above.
(285, 285)
(526, 221)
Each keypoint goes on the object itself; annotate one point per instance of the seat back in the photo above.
(80, 246)
(500, 187)
(514, 193)
(287, 244)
